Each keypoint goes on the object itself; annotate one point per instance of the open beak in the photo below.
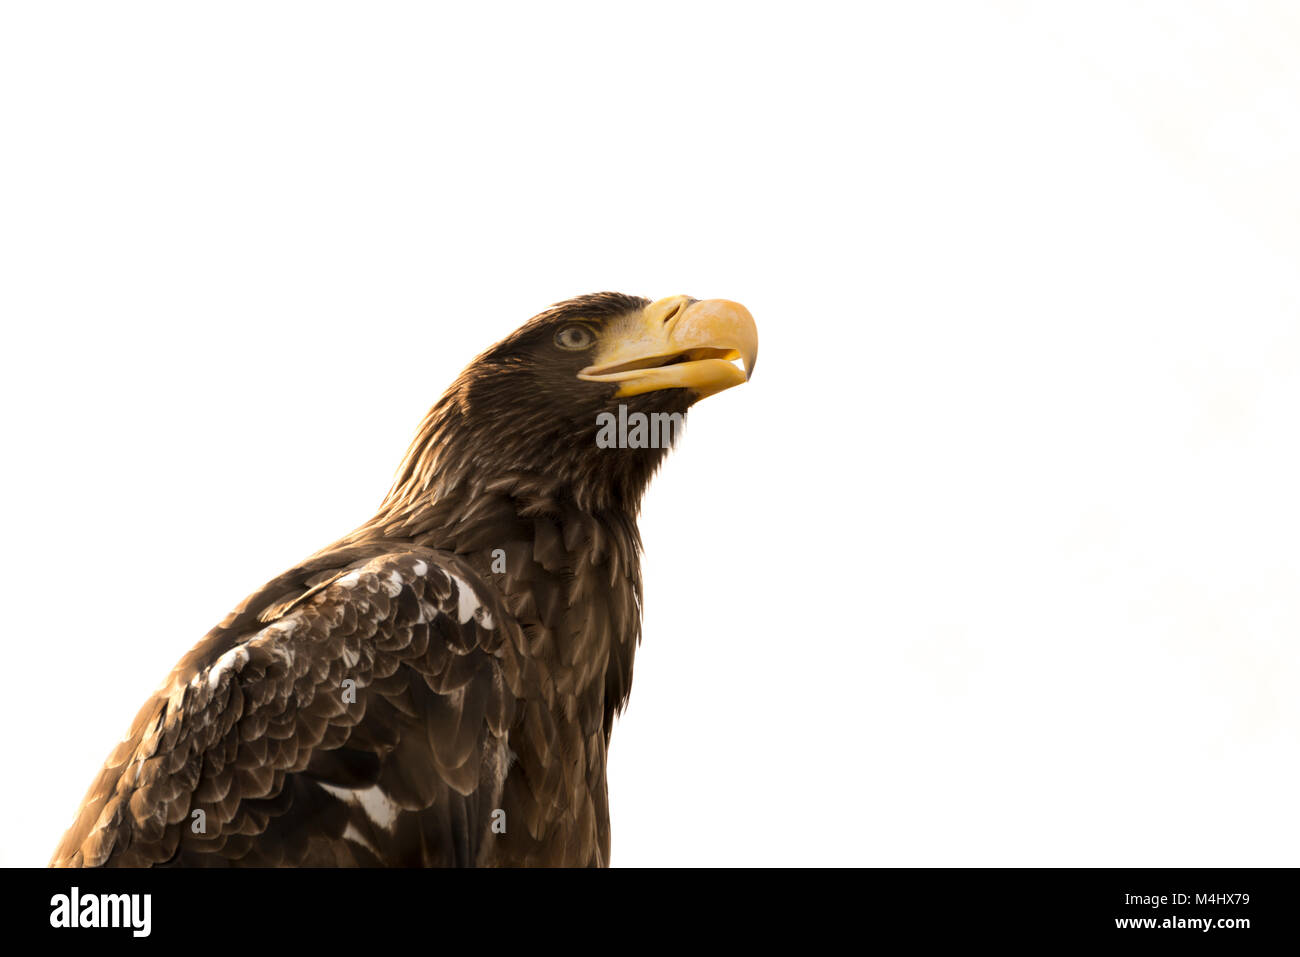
(677, 343)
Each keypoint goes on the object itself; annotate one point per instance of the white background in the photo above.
(994, 561)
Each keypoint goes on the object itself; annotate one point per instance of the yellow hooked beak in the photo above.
(677, 343)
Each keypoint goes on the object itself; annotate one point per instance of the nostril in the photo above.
(672, 312)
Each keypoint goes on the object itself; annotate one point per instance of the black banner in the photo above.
(345, 908)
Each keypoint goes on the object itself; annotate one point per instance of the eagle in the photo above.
(438, 687)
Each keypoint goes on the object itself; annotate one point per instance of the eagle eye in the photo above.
(574, 337)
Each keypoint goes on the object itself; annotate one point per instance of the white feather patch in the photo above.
(350, 833)
(469, 606)
(234, 659)
(378, 806)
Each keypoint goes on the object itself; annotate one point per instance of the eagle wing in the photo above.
(366, 724)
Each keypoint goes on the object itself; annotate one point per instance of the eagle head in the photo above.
(590, 393)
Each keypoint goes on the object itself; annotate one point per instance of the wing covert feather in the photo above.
(366, 724)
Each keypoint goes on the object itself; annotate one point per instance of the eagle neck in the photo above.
(569, 572)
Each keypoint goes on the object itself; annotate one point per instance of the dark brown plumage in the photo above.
(439, 686)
